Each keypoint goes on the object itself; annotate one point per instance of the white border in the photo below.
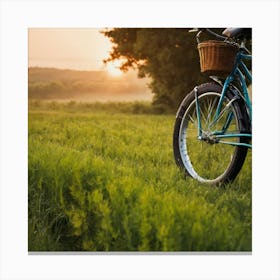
(18, 16)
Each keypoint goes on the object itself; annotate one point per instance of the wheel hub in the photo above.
(208, 137)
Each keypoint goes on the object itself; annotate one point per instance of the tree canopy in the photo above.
(168, 56)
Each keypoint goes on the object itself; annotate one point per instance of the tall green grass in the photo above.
(103, 180)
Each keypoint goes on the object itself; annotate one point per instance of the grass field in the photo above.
(103, 178)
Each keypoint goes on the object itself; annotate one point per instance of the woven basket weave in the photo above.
(216, 57)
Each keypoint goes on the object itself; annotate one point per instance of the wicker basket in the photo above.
(216, 57)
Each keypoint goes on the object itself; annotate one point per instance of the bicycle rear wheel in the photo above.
(210, 159)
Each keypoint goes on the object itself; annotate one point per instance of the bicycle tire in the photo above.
(202, 160)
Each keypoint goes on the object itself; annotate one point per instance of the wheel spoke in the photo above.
(212, 105)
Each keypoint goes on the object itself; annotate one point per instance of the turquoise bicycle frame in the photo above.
(239, 72)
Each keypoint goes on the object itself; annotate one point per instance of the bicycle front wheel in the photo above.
(205, 156)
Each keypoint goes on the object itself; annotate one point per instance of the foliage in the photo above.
(167, 55)
(136, 107)
(106, 181)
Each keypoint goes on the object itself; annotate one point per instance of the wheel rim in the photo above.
(207, 160)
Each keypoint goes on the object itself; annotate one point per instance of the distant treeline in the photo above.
(52, 83)
(136, 107)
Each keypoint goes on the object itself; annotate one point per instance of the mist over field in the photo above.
(85, 86)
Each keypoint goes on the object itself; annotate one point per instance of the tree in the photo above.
(168, 56)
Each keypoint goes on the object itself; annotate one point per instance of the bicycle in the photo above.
(213, 131)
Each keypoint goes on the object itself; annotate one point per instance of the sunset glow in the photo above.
(53, 51)
(113, 68)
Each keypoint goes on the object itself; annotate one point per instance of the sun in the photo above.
(113, 68)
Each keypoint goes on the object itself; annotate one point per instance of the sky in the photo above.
(71, 48)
